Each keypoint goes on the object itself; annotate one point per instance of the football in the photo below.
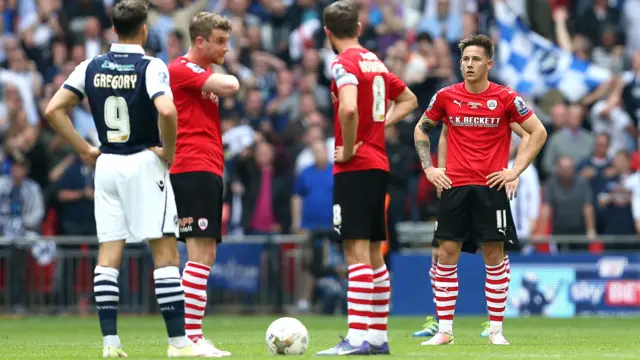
(287, 336)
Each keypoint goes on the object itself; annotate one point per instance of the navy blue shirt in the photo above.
(121, 86)
(77, 177)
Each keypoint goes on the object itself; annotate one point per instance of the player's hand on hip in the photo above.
(512, 188)
(501, 178)
(91, 155)
(161, 153)
(339, 156)
(438, 178)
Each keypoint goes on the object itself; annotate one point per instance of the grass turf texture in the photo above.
(144, 338)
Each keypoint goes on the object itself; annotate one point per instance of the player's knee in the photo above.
(202, 250)
(356, 252)
(165, 252)
(110, 254)
(492, 253)
(448, 252)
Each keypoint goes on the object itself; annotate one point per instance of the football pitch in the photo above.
(144, 338)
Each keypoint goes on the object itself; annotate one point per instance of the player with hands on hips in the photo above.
(132, 106)
(474, 206)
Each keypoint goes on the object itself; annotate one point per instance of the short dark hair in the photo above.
(128, 17)
(203, 23)
(178, 35)
(341, 18)
(480, 40)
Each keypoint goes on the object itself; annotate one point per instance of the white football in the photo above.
(287, 336)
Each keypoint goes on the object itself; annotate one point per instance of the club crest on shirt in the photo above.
(203, 223)
(520, 105)
(492, 104)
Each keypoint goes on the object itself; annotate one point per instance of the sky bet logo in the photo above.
(587, 292)
(623, 293)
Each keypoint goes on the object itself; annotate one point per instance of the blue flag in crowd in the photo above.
(532, 65)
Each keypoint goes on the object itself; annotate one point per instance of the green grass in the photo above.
(144, 338)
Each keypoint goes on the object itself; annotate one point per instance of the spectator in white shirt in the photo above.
(613, 121)
(525, 207)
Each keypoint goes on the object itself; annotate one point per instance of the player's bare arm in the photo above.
(168, 122)
(348, 115)
(537, 137)
(423, 146)
(402, 106)
(442, 150)
(221, 84)
(57, 113)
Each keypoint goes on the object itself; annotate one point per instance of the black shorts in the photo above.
(199, 203)
(358, 205)
(474, 215)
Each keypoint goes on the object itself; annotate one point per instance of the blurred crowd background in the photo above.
(278, 130)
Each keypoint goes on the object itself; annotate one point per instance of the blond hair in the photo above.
(203, 23)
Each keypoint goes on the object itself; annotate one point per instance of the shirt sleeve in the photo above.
(344, 73)
(517, 108)
(76, 81)
(157, 79)
(436, 109)
(396, 86)
(189, 75)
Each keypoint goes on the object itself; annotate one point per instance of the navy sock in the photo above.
(170, 297)
(107, 296)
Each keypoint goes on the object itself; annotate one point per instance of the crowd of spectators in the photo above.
(278, 130)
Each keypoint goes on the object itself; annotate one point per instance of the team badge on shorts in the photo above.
(203, 223)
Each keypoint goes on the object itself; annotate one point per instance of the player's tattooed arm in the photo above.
(423, 146)
(422, 142)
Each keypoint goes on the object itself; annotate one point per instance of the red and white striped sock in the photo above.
(446, 295)
(507, 266)
(495, 292)
(359, 302)
(432, 275)
(380, 315)
(194, 282)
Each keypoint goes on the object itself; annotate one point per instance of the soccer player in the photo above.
(132, 106)
(479, 115)
(196, 173)
(430, 327)
(361, 89)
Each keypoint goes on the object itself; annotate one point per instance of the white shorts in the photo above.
(133, 198)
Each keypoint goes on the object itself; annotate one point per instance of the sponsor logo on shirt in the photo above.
(118, 67)
(475, 121)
